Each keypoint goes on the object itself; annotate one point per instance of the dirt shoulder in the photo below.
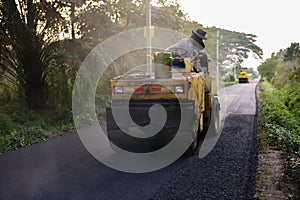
(269, 175)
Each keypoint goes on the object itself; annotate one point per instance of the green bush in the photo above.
(228, 78)
(291, 97)
(281, 122)
(21, 138)
(20, 127)
(282, 125)
(6, 124)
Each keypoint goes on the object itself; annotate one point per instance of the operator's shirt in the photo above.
(185, 47)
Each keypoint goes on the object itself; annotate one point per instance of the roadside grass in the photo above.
(279, 128)
(229, 83)
(21, 127)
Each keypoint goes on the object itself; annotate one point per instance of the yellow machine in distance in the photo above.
(243, 76)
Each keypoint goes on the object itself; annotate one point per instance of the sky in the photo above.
(274, 22)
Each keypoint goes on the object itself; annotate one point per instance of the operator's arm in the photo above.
(204, 62)
(203, 59)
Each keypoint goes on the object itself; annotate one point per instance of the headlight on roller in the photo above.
(179, 89)
(118, 90)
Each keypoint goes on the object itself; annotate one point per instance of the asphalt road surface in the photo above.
(61, 168)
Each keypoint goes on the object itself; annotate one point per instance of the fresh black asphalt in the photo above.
(61, 168)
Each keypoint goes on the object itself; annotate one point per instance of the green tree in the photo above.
(235, 47)
(292, 52)
(168, 14)
(95, 23)
(27, 27)
(61, 73)
(267, 68)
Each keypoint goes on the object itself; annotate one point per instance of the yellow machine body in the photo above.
(196, 90)
(243, 76)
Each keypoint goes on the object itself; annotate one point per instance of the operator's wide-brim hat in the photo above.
(200, 33)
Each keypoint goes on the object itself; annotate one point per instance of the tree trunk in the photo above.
(28, 48)
(34, 88)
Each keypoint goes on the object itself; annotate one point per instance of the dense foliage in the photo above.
(281, 107)
(282, 123)
(20, 127)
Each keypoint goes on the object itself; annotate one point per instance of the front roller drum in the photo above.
(140, 116)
